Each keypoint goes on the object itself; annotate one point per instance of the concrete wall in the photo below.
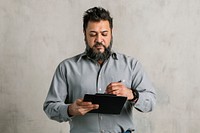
(35, 35)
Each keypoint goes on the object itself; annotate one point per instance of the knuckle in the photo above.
(82, 113)
(111, 85)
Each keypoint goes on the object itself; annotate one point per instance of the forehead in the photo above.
(98, 26)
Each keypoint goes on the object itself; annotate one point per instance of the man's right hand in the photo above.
(79, 107)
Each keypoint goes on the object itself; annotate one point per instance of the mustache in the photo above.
(99, 44)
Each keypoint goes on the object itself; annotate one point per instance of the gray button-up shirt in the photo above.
(76, 76)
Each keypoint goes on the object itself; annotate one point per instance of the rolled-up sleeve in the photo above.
(54, 105)
(146, 90)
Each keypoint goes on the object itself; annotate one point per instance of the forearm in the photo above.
(57, 111)
(145, 102)
(146, 91)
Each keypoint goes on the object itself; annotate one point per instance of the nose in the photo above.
(99, 39)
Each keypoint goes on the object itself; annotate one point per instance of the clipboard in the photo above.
(108, 103)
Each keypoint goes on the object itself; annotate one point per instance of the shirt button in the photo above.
(99, 89)
(100, 117)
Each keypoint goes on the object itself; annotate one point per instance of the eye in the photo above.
(104, 33)
(92, 34)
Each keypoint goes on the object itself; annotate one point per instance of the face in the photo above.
(98, 32)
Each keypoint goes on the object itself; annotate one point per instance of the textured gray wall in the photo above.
(35, 35)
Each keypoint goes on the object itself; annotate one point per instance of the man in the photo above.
(98, 70)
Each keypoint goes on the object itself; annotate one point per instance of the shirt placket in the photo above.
(99, 80)
(99, 89)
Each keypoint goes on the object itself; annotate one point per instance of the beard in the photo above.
(98, 56)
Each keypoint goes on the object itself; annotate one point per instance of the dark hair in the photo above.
(96, 14)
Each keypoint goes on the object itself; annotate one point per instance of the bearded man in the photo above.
(98, 70)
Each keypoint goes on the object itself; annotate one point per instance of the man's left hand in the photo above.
(119, 89)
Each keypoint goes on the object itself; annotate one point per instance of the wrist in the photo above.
(69, 111)
(130, 95)
(135, 95)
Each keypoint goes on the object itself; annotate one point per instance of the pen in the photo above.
(121, 81)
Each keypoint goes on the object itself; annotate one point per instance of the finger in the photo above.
(87, 105)
(84, 110)
(96, 106)
(80, 102)
(114, 92)
(111, 89)
(113, 84)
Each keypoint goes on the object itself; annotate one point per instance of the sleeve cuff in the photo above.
(144, 103)
(64, 114)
